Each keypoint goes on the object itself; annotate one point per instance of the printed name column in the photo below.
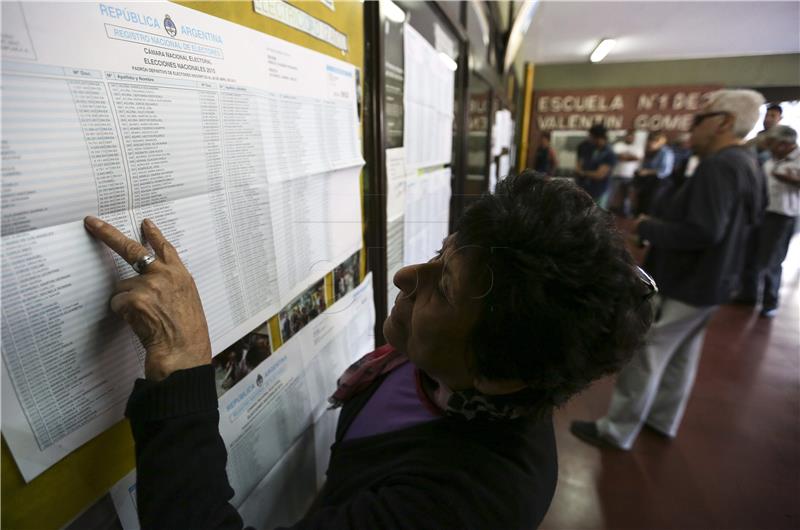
(223, 231)
(105, 154)
(171, 132)
(246, 180)
(55, 280)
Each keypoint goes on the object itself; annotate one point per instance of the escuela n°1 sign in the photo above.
(667, 109)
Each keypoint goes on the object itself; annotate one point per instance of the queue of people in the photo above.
(631, 181)
(716, 215)
(624, 176)
(628, 178)
(725, 230)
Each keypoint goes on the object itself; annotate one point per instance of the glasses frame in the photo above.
(648, 281)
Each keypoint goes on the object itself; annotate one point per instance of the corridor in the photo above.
(735, 462)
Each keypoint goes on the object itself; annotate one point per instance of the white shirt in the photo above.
(694, 161)
(784, 198)
(626, 169)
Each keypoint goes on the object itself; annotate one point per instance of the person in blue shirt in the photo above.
(657, 165)
(761, 141)
(595, 161)
(682, 150)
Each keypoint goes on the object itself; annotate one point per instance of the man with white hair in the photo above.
(696, 236)
(777, 228)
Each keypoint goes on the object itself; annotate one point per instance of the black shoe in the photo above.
(587, 431)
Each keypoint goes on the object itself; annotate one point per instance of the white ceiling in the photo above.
(564, 31)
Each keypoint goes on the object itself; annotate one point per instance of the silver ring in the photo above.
(141, 264)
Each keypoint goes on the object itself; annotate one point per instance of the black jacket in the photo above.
(698, 230)
(447, 473)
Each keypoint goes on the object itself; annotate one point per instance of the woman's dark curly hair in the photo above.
(566, 304)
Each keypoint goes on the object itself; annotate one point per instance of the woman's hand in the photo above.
(161, 304)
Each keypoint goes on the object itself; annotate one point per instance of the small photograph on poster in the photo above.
(241, 358)
(302, 310)
(345, 276)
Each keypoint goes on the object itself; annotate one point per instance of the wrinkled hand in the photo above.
(161, 304)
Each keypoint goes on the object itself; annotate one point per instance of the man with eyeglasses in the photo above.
(697, 239)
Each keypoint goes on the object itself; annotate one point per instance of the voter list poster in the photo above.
(276, 422)
(428, 98)
(243, 148)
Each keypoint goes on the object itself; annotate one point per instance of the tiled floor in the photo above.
(736, 461)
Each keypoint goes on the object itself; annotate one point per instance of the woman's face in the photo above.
(433, 316)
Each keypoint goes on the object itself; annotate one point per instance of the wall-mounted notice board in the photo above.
(236, 127)
(420, 100)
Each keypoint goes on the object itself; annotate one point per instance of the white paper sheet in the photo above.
(286, 493)
(395, 209)
(267, 411)
(121, 111)
(395, 183)
(428, 96)
(317, 225)
(504, 166)
(427, 216)
(502, 132)
(123, 494)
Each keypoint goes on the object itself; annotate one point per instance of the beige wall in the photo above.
(754, 71)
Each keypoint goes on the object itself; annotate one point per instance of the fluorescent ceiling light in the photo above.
(602, 49)
(392, 12)
(518, 30)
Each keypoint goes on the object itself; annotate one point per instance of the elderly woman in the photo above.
(446, 426)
